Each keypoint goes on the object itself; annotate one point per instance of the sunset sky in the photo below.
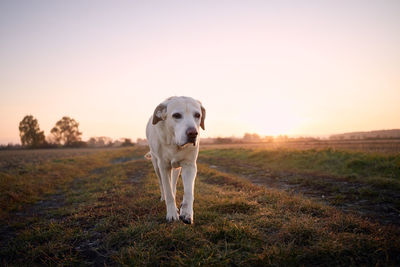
(273, 67)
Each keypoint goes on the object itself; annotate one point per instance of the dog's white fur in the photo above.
(173, 151)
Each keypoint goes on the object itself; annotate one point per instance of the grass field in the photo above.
(253, 207)
(381, 146)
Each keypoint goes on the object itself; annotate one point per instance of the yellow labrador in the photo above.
(173, 136)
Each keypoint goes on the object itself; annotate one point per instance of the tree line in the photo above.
(65, 133)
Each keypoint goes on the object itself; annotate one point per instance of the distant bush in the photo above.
(127, 142)
(101, 141)
(223, 140)
(77, 144)
(10, 147)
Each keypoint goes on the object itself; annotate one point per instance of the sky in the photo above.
(301, 68)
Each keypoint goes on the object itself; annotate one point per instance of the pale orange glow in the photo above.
(283, 124)
(300, 69)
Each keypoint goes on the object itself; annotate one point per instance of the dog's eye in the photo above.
(177, 115)
(197, 115)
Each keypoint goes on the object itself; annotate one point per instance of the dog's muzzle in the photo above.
(191, 134)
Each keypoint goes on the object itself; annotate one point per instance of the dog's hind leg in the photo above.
(157, 170)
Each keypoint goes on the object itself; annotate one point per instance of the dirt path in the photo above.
(352, 197)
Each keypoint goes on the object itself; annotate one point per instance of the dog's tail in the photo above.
(148, 155)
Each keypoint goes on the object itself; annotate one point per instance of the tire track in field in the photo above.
(91, 249)
(49, 209)
(333, 191)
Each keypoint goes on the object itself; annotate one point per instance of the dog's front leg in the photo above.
(188, 177)
(172, 214)
(175, 176)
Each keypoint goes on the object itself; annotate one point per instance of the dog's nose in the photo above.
(191, 132)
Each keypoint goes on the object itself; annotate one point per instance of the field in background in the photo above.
(16, 158)
(383, 146)
(253, 206)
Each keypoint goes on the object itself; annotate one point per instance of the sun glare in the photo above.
(281, 124)
(272, 114)
(276, 124)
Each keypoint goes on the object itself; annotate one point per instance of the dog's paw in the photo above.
(186, 215)
(172, 217)
(186, 219)
(172, 213)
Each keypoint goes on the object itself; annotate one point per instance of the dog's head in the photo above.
(182, 117)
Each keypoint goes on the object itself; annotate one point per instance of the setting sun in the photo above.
(280, 124)
(273, 117)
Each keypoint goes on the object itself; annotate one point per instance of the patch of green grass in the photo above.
(328, 161)
(217, 178)
(319, 172)
(237, 206)
(111, 214)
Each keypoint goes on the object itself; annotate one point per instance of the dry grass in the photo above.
(106, 210)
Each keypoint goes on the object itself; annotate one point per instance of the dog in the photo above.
(173, 137)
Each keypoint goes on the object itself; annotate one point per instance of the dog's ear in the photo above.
(203, 116)
(159, 113)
